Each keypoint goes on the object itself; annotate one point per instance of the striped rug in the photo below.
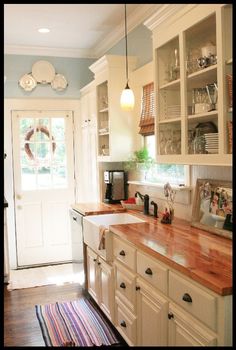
(74, 323)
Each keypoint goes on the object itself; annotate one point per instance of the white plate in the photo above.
(43, 72)
(27, 82)
(59, 83)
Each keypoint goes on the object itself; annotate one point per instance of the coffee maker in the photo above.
(116, 184)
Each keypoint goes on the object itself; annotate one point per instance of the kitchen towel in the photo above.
(102, 233)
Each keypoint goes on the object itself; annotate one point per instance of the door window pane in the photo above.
(28, 178)
(58, 129)
(44, 177)
(59, 177)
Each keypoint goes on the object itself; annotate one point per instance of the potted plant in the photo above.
(139, 161)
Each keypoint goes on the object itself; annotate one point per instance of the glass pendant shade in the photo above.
(127, 99)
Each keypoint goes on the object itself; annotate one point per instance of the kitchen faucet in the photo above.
(155, 208)
(145, 199)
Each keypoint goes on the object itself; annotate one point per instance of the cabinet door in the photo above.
(152, 311)
(185, 331)
(106, 288)
(93, 275)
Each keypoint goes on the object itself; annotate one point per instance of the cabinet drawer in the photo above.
(124, 252)
(125, 286)
(197, 302)
(152, 271)
(125, 323)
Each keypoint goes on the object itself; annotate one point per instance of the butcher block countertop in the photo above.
(200, 255)
(97, 208)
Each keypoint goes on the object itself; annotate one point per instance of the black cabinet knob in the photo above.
(123, 324)
(122, 285)
(89, 120)
(122, 252)
(137, 288)
(187, 298)
(74, 218)
(148, 271)
(99, 263)
(170, 315)
(94, 259)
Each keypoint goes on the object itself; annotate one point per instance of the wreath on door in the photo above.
(29, 134)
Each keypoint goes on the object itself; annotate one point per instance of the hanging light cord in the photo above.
(126, 50)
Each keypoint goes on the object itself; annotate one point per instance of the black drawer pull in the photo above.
(170, 315)
(187, 298)
(123, 324)
(137, 288)
(148, 271)
(74, 218)
(99, 263)
(122, 285)
(122, 252)
(94, 259)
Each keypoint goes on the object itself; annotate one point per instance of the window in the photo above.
(161, 173)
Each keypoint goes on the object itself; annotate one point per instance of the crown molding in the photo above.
(48, 51)
(166, 13)
(137, 17)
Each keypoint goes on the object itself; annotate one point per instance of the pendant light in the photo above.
(127, 95)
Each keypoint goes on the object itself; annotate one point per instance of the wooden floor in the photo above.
(21, 326)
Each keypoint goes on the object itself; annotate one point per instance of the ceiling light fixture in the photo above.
(127, 95)
(43, 30)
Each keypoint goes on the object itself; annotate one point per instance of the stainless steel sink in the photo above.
(91, 230)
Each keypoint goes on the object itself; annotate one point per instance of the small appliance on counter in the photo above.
(116, 186)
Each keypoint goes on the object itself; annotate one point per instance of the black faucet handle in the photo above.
(155, 208)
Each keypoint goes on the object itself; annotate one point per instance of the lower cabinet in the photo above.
(101, 282)
(185, 331)
(152, 320)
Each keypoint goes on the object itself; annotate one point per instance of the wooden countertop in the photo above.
(200, 255)
(97, 208)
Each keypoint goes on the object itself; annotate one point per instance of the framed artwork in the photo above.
(213, 207)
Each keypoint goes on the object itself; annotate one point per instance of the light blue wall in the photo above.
(75, 70)
(139, 44)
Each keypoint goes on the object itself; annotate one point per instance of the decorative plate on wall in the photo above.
(27, 82)
(43, 72)
(59, 83)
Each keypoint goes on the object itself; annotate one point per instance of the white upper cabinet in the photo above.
(115, 128)
(193, 73)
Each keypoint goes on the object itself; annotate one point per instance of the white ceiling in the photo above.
(77, 30)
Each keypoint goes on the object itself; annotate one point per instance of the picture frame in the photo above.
(212, 208)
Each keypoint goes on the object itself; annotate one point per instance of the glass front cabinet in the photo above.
(193, 83)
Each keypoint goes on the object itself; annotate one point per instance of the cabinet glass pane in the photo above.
(170, 138)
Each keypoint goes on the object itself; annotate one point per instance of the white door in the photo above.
(44, 185)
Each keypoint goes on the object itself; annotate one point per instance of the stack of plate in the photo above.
(211, 145)
(173, 111)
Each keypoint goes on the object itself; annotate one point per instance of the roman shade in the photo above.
(146, 123)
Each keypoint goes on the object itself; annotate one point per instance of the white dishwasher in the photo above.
(76, 224)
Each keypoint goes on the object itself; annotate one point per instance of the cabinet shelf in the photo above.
(203, 115)
(166, 121)
(172, 85)
(200, 78)
(103, 110)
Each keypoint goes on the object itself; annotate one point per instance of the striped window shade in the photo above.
(146, 123)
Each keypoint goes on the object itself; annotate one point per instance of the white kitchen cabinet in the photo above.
(166, 307)
(152, 310)
(115, 128)
(185, 331)
(88, 166)
(101, 282)
(185, 116)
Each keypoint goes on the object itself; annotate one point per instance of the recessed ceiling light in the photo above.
(43, 30)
